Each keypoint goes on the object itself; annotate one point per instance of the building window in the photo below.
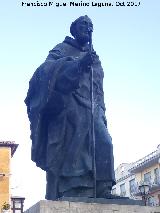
(132, 186)
(114, 191)
(122, 190)
(156, 176)
(147, 177)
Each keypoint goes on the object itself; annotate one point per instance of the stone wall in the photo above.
(82, 207)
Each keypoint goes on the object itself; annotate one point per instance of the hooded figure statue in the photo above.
(59, 109)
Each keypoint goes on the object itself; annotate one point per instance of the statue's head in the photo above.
(80, 29)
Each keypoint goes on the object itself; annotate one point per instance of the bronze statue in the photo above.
(59, 109)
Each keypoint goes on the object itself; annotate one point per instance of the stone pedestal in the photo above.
(86, 207)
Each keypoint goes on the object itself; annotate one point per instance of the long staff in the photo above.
(92, 124)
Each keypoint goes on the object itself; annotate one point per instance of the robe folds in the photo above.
(59, 109)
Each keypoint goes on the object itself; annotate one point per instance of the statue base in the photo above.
(90, 205)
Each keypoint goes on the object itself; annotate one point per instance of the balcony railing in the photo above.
(156, 180)
(146, 159)
(153, 184)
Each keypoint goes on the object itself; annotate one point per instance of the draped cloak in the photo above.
(59, 109)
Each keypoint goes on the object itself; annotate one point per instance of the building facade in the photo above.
(144, 171)
(7, 150)
(126, 184)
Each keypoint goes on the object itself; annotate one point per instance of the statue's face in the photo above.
(83, 28)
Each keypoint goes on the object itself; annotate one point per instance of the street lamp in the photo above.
(144, 190)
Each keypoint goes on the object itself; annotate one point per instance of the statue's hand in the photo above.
(87, 60)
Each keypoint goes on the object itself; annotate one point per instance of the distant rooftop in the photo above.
(11, 144)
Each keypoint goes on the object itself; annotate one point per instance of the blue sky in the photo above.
(127, 41)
